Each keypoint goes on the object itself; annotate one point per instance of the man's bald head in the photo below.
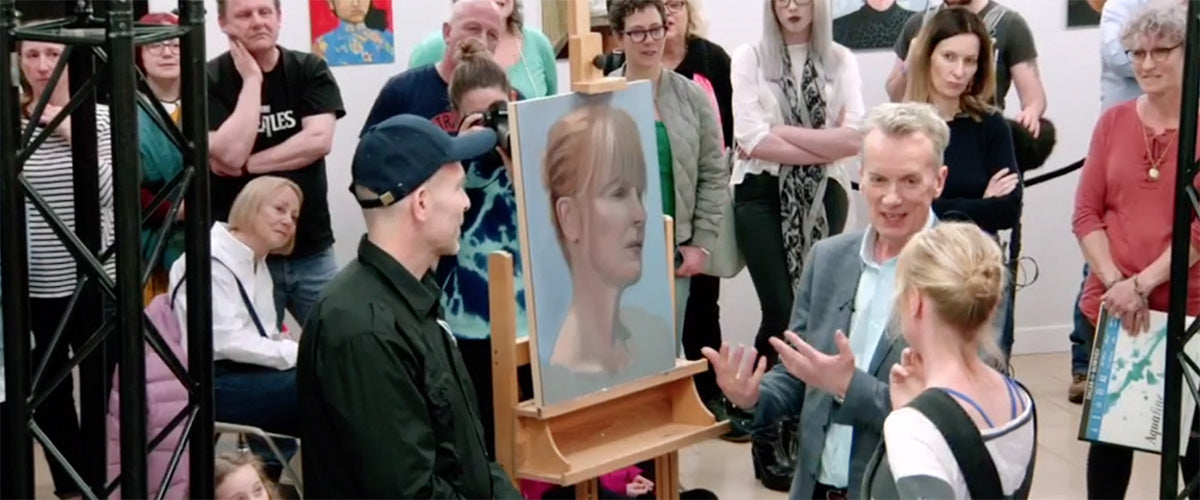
(479, 19)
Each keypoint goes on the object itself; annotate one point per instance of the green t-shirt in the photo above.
(666, 169)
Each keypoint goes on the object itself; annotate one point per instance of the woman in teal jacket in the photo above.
(525, 53)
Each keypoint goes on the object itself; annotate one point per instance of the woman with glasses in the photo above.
(161, 159)
(692, 178)
(797, 103)
(524, 52)
(1123, 212)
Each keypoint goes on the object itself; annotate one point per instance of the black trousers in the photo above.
(759, 223)
(477, 355)
(702, 328)
(57, 416)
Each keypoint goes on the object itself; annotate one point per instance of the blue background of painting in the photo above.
(548, 282)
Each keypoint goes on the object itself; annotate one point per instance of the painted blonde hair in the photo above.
(960, 269)
(585, 145)
(946, 23)
(251, 198)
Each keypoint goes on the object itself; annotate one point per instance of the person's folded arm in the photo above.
(826, 144)
(752, 121)
(230, 144)
(990, 214)
(312, 143)
(1113, 17)
(379, 413)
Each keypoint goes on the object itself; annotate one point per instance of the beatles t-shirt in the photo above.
(299, 86)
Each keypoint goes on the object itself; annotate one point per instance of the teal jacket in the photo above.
(161, 162)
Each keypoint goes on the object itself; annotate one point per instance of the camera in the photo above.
(496, 118)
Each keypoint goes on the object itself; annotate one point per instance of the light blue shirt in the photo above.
(1117, 83)
(869, 320)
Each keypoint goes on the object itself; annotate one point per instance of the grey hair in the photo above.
(898, 119)
(771, 48)
(1160, 18)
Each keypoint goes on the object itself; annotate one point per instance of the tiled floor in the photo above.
(725, 467)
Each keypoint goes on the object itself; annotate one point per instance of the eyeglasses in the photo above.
(639, 36)
(675, 6)
(1159, 54)
(157, 48)
(786, 3)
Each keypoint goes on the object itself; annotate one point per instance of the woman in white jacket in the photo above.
(254, 363)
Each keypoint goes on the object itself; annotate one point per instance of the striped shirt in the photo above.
(49, 170)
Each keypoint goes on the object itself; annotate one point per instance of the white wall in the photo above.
(1069, 65)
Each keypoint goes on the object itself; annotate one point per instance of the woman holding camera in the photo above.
(479, 86)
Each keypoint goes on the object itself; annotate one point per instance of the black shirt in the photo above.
(709, 60)
(867, 28)
(977, 150)
(299, 86)
(386, 407)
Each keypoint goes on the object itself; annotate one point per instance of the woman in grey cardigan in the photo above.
(694, 180)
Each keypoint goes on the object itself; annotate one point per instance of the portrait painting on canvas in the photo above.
(598, 280)
(349, 32)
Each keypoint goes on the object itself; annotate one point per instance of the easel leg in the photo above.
(666, 472)
(587, 490)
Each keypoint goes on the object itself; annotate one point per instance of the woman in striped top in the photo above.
(52, 272)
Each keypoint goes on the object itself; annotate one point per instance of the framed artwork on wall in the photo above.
(351, 32)
(598, 278)
(1083, 13)
(873, 24)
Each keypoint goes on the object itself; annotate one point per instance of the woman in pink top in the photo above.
(1124, 211)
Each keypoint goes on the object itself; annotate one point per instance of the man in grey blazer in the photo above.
(838, 384)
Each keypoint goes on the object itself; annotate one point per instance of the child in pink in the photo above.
(628, 481)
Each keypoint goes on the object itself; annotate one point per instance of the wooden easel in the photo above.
(575, 442)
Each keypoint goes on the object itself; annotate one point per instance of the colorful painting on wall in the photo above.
(351, 32)
(598, 277)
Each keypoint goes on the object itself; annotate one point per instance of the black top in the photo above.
(1013, 44)
(299, 86)
(977, 150)
(388, 409)
(709, 60)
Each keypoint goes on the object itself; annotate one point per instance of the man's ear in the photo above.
(446, 34)
(940, 180)
(570, 220)
(420, 204)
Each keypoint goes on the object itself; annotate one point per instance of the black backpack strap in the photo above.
(241, 290)
(964, 440)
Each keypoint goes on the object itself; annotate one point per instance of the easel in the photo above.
(576, 442)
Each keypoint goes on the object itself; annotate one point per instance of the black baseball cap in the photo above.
(397, 155)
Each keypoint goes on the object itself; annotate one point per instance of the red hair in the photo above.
(159, 18)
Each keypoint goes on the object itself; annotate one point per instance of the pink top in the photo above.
(1117, 196)
(614, 481)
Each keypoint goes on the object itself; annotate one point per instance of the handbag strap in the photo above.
(964, 440)
(241, 290)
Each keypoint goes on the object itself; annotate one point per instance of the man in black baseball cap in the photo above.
(387, 408)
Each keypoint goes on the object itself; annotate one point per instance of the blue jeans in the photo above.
(299, 281)
(1081, 334)
(261, 397)
(780, 395)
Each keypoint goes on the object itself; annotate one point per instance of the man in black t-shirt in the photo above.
(424, 90)
(272, 110)
(1016, 59)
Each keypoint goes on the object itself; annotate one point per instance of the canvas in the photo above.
(598, 278)
(1123, 403)
(873, 24)
(348, 32)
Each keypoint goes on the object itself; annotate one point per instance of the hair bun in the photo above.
(472, 49)
(984, 282)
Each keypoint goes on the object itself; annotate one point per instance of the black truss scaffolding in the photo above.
(99, 52)
(1180, 367)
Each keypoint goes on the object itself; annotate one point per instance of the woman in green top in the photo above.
(525, 53)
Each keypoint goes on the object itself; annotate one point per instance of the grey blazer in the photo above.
(824, 304)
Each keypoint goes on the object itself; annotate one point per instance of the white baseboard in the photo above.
(1042, 339)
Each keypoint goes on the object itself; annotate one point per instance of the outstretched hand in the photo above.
(737, 372)
(829, 373)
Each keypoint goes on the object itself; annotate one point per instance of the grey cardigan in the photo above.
(701, 179)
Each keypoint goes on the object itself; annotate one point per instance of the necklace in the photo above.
(1155, 163)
